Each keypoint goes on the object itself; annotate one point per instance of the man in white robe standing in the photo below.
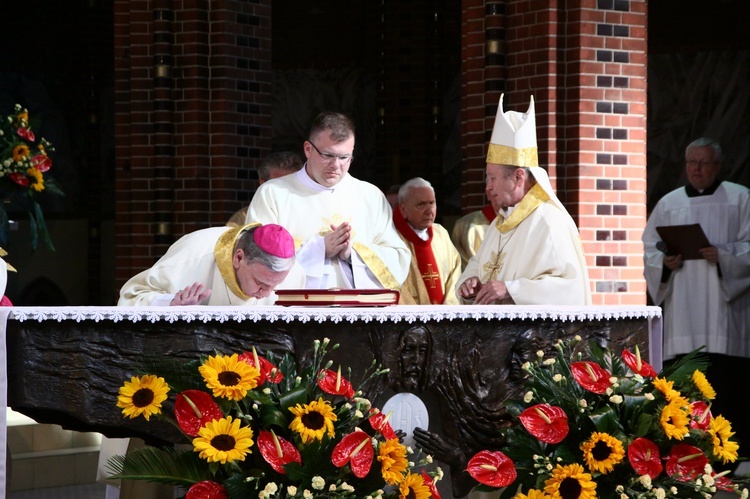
(219, 266)
(706, 301)
(532, 252)
(342, 226)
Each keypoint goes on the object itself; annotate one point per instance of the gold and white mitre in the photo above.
(513, 141)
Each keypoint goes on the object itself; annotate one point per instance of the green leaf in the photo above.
(33, 231)
(4, 226)
(294, 397)
(42, 227)
(164, 465)
(272, 416)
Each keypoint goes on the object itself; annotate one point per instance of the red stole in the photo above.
(489, 213)
(428, 267)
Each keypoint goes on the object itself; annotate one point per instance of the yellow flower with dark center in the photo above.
(570, 482)
(675, 420)
(223, 441)
(38, 184)
(532, 494)
(602, 452)
(20, 152)
(665, 387)
(142, 396)
(313, 421)
(720, 431)
(393, 462)
(413, 487)
(703, 385)
(229, 377)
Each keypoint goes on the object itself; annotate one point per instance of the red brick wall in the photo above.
(193, 112)
(585, 63)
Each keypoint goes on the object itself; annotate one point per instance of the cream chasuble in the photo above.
(198, 257)
(380, 259)
(414, 290)
(537, 252)
(702, 307)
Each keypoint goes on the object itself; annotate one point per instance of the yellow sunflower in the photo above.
(532, 494)
(229, 377)
(602, 452)
(675, 420)
(720, 431)
(393, 462)
(20, 152)
(223, 441)
(142, 396)
(570, 482)
(703, 385)
(38, 184)
(666, 387)
(413, 487)
(313, 421)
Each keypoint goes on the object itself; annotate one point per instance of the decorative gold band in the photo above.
(512, 156)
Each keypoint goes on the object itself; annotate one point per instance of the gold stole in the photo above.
(223, 254)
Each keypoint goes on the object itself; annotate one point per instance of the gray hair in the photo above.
(403, 191)
(706, 142)
(253, 253)
(283, 161)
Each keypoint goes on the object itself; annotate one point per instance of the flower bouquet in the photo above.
(258, 428)
(597, 424)
(23, 163)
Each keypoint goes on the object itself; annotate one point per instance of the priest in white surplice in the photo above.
(342, 226)
(532, 252)
(219, 266)
(707, 301)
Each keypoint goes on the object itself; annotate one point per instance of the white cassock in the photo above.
(469, 230)
(203, 256)
(702, 307)
(307, 210)
(536, 251)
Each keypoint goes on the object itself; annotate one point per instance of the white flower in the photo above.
(612, 380)
(307, 494)
(609, 391)
(539, 353)
(638, 378)
(409, 450)
(346, 487)
(291, 491)
(649, 396)
(616, 399)
(271, 488)
(660, 493)
(744, 494)
(297, 381)
(577, 338)
(428, 458)
(619, 489)
(583, 403)
(708, 480)
(673, 490)
(347, 405)
(332, 488)
(266, 391)
(439, 476)
(318, 483)
(623, 496)
(262, 494)
(528, 397)
(548, 362)
(526, 366)
(358, 414)
(557, 377)
(645, 481)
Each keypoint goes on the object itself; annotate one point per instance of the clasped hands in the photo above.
(338, 242)
(710, 253)
(484, 294)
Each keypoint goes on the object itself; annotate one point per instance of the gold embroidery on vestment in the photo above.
(376, 266)
(223, 254)
(512, 156)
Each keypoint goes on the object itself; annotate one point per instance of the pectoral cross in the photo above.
(494, 265)
(430, 276)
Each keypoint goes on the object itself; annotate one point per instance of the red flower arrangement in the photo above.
(609, 426)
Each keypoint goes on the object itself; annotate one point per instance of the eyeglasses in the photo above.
(700, 164)
(330, 158)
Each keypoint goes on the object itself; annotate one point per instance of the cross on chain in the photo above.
(494, 265)
(430, 277)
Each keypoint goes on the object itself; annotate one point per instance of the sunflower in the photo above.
(703, 385)
(413, 487)
(602, 452)
(532, 494)
(20, 152)
(142, 396)
(675, 420)
(720, 431)
(223, 441)
(570, 482)
(38, 184)
(393, 462)
(314, 420)
(229, 377)
(665, 387)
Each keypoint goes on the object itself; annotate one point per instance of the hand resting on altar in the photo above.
(191, 295)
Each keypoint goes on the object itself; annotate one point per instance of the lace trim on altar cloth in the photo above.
(405, 313)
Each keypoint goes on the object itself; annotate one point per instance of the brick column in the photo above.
(193, 111)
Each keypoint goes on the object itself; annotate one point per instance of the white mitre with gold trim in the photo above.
(513, 141)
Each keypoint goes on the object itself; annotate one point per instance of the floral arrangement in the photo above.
(259, 428)
(597, 424)
(23, 164)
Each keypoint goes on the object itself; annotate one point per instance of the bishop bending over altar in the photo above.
(531, 253)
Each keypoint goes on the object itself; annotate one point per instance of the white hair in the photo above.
(403, 192)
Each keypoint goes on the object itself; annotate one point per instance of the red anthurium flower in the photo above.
(701, 418)
(591, 376)
(19, 178)
(206, 490)
(355, 449)
(431, 484)
(637, 365)
(546, 422)
(277, 451)
(193, 409)
(26, 133)
(686, 462)
(268, 371)
(41, 162)
(492, 468)
(379, 422)
(724, 483)
(644, 457)
(334, 384)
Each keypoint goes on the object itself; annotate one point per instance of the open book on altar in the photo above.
(337, 297)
